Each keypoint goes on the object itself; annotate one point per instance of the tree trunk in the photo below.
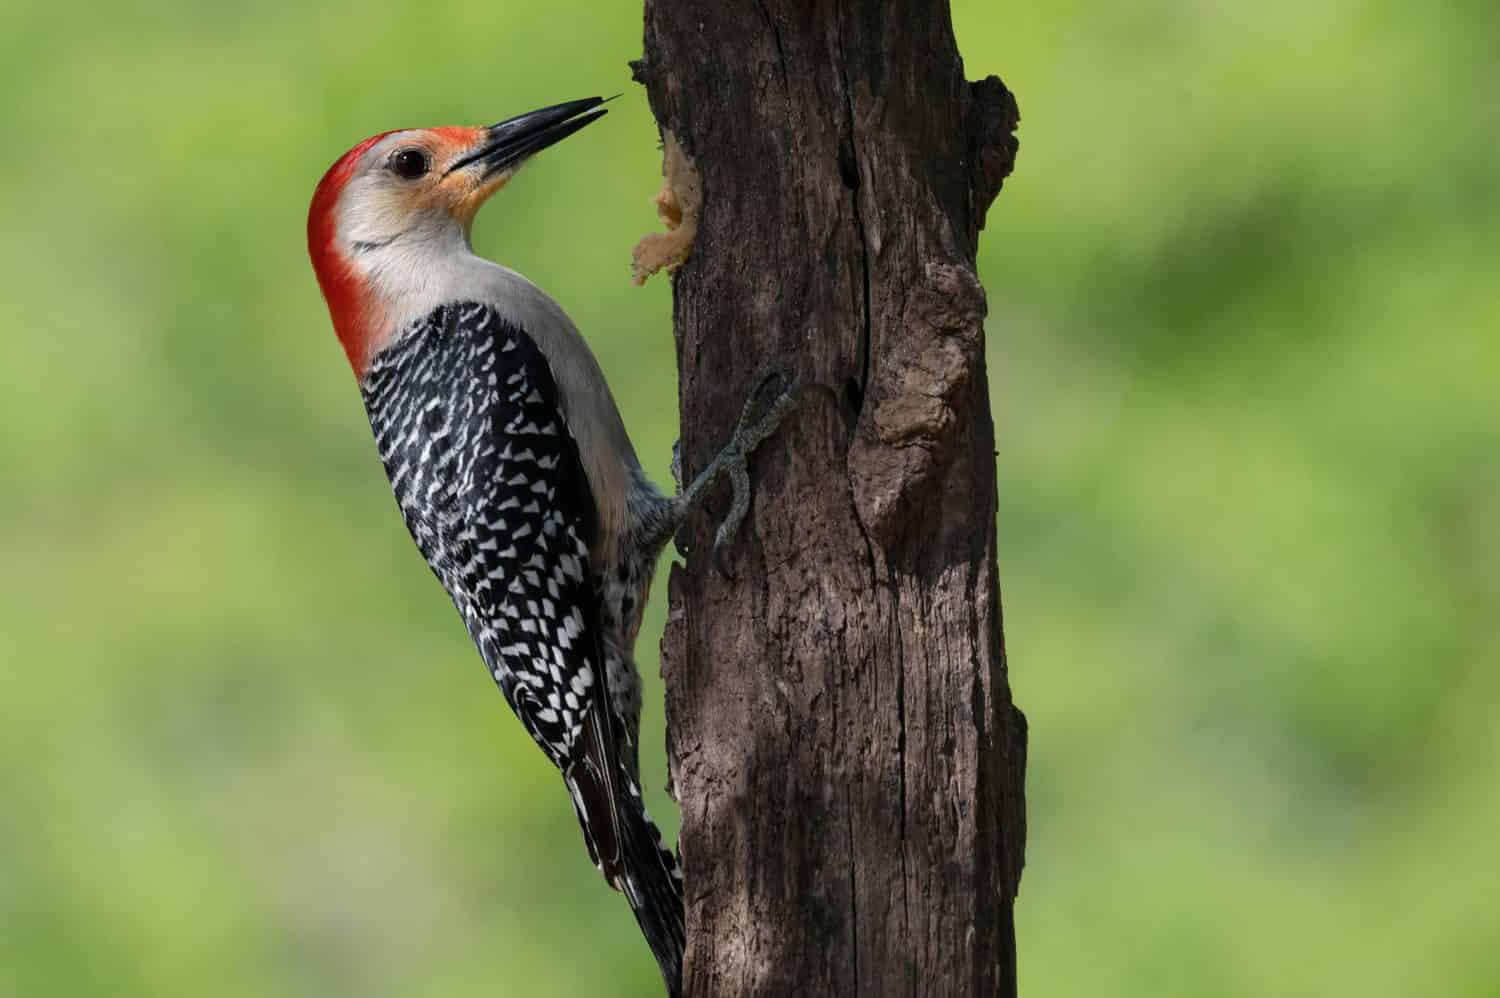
(843, 743)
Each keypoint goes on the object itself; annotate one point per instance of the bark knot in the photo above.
(915, 404)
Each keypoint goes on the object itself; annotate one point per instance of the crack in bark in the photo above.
(901, 763)
(853, 890)
(859, 220)
(866, 337)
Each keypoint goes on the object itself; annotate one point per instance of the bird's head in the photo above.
(399, 201)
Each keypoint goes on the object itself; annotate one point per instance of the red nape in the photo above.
(348, 303)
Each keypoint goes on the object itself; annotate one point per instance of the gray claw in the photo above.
(739, 478)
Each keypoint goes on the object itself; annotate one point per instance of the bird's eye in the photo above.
(409, 164)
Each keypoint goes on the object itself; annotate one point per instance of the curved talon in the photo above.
(739, 478)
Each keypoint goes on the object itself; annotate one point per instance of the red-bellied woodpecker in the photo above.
(511, 465)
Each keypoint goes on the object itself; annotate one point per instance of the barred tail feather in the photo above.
(652, 882)
(625, 845)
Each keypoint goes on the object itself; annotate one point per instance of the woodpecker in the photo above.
(511, 465)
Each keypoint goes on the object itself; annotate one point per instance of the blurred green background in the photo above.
(1244, 292)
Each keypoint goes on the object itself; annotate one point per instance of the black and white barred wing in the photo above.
(468, 422)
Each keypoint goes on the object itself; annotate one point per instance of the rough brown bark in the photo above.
(844, 746)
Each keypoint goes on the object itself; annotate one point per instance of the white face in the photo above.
(388, 227)
(415, 187)
(427, 184)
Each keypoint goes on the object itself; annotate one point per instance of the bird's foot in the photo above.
(761, 416)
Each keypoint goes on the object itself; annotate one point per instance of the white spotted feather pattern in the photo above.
(466, 421)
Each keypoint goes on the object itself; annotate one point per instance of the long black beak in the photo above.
(525, 135)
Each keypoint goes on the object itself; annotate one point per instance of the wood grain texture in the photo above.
(843, 742)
